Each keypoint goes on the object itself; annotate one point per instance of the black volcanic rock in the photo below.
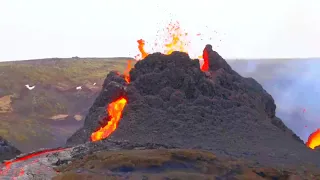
(172, 102)
(216, 61)
(7, 151)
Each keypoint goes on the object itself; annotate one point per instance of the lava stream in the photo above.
(114, 110)
(8, 164)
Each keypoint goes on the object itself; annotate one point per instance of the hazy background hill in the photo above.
(47, 115)
(295, 86)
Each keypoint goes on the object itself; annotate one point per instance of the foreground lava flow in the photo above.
(314, 139)
(20, 172)
(115, 112)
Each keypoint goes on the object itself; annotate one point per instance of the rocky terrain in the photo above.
(118, 160)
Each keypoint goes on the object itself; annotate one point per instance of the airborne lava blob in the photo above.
(115, 112)
(141, 48)
(314, 139)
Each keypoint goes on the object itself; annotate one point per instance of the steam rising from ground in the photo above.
(295, 86)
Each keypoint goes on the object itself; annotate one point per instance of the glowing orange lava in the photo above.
(176, 39)
(205, 66)
(314, 139)
(114, 110)
(141, 48)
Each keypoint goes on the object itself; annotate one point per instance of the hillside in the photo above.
(54, 109)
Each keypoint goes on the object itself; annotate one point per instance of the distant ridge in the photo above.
(128, 58)
(71, 58)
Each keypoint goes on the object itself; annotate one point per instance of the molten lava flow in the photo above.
(20, 172)
(126, 73)
(115, 112)
(314, 139)
(205, 56)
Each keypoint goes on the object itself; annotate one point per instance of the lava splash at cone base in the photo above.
(314, 139)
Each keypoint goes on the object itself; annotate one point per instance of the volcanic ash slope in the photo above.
(172, 102)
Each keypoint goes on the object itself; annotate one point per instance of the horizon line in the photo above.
(129, 58)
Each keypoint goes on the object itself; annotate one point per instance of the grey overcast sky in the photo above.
(108, 28)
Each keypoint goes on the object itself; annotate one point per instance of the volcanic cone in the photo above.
(171, 101)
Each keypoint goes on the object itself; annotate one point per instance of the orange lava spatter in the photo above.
(314, 139)
(141, 45)
(176, 39)
(114, 110)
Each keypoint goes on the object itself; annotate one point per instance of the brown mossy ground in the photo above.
(170, 164)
